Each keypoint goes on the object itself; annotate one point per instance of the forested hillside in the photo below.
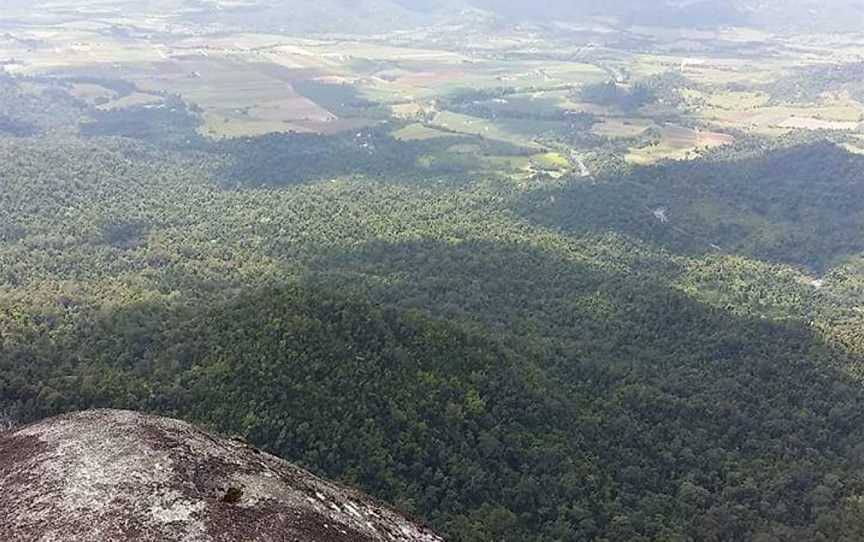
(797, 205)
(555, 363)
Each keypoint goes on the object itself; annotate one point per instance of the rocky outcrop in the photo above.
(115, 476)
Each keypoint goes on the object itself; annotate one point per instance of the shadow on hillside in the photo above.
(444, 375)
(284, 159)
(665, 375)
(803, 206)
(528, 292)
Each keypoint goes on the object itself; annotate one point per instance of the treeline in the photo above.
(485, 103)
(808, 84)
(41, 108)
(614, 95)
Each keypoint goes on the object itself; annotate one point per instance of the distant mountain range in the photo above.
(368, 16)
(709, 11)
(775, 14)
(845, 15)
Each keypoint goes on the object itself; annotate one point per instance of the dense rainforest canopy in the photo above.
(652, 353)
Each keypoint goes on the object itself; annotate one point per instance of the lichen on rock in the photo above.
(124, 476)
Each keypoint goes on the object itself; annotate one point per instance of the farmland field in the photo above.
(242, 83)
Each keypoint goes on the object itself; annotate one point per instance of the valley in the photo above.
(528, 278)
